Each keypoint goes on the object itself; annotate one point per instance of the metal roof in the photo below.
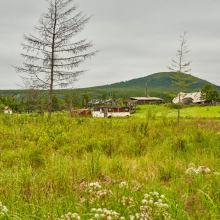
(147, 98)
(195, 96)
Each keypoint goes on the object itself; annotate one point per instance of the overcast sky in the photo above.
(136, 38)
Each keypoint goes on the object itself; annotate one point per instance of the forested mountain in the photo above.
(158, 85)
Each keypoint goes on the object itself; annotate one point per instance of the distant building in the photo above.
(147, 100)
(8, 110)
(113, 111)
(187, 98)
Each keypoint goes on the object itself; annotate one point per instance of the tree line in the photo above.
(35, 101)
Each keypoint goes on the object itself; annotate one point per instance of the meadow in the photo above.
(195, 111)
(146, 167)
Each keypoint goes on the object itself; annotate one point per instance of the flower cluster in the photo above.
(95, 194)
(126, 200)
(123, 185)
(93, 187)
(70, 216)
(153, 205)
(136, 188)
(105, 214)
(192, 169)
(3, 209)
(153, 198)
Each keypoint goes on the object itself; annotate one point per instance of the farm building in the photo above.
(187, 98)
(107, 112)
(8, 110)
(146, 100)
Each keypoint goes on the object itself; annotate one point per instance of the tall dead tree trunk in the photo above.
(55, 56)
(179, 67)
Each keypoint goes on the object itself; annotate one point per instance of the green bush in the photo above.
(175, 106)
(37, 157)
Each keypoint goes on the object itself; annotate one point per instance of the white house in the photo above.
(8, 110)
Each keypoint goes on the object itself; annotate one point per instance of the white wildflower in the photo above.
(132, 217)
(203, 169)
(95, 185)
(144, 201)
(156, 193)
(191, 165)
(151, 201)
(158, 204)
(3, 209)
(96, 215)
(191, 171)
(115, 214)
(146, 195)
(123, 185)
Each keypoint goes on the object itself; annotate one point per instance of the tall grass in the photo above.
(46, 167)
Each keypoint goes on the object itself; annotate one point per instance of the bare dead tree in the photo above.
(181, 67)
(55, 56)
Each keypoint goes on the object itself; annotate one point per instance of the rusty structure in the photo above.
(81, 112)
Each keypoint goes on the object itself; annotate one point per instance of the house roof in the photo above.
(195, 96)
(146, 98)
(7, 109)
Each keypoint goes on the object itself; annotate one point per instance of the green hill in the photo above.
(158, 83)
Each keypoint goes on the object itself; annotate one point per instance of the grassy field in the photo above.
(211, 112)
(146, 167)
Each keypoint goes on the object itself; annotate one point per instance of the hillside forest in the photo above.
(159, 85)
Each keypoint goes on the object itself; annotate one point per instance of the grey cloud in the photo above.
(136, 38)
